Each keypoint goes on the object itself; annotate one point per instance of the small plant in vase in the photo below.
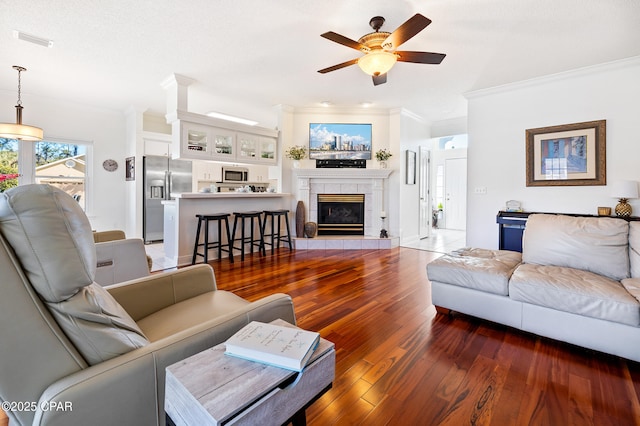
(296, 153)
(382, 155)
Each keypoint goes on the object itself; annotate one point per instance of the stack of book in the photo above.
(285, 347)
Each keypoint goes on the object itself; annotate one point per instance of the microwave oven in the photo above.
(235, 174)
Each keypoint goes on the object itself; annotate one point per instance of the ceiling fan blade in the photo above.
(379, 79)
(340, 39)
(337, 67)
(405, 31)
(420, 57)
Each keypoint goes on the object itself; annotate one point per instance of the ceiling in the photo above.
(248, 55)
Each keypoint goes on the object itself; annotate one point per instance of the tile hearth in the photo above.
(345, 242)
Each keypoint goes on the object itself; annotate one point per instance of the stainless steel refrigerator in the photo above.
(162, 177)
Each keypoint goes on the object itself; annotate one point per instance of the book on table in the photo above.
(285, 347)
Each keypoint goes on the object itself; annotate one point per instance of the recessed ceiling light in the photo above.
(40, 41)
(325, 103)
(365, 104)
(232, 118)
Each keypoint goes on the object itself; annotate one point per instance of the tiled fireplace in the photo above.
(370, 183)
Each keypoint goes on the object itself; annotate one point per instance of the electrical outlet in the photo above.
(480, 190)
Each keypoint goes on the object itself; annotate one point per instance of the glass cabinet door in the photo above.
(223, 143)
(197, 140)
(247, 146)
(268, 149)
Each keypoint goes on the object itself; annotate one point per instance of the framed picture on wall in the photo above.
(130, 168)
(567, 155)
(411, 167)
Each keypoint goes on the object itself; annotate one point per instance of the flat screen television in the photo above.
(339, 141)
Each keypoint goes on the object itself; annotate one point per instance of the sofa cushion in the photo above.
(634, 249)
(632, 285)
(575, 291)
(191, 312)
(52, 237)
(97, 325)
(479, 269)
(595, 244)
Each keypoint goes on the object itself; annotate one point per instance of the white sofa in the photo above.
(577, 280)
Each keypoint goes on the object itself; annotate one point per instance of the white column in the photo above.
(302, 194)
(378, 205)
(177, 88)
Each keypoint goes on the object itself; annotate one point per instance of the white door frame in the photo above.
(424, 225)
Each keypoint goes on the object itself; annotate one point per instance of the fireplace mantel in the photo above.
(343, 173)
(371, 182)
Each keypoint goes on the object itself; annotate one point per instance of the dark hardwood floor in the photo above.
(400, 363)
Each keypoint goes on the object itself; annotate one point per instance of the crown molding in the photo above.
(578, 72)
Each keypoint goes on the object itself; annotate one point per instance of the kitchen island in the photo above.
(180, 220)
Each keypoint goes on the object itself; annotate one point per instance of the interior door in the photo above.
(425, 199)
(455, 191)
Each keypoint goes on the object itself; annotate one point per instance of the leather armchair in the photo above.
(83, 354)
(119, 258)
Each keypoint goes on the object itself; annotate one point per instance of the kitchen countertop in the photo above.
(194, 195)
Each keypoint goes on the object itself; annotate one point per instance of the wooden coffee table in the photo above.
(211, 388)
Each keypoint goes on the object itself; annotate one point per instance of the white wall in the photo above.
(105, 129)
(452, 126)
(497, 122)
(414, 132)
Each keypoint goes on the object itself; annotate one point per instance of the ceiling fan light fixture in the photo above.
(377, 62)
(18, 130)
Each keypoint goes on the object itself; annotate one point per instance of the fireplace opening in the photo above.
(340, 214)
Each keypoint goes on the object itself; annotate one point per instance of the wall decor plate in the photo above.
(110, 165)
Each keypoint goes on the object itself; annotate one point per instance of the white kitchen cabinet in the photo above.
(194, 141)
(268, 150)
(224, 144)
(256, 149)
(199, 137)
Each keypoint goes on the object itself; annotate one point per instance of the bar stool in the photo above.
(206, 218)
(248, 216)
(276, 236)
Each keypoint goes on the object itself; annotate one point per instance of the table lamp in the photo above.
(623, 190)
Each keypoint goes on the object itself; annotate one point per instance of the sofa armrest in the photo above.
(127, 382)
(144, 296)
(120, 260)
(103, 236)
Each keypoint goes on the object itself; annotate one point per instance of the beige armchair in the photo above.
(73, 352)
(119, 258)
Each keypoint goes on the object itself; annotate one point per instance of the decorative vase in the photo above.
(300, 213)
(296, 164)
(310, 229)
(623, 208)
(383, 164)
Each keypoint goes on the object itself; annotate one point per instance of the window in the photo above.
(57, 163)
(8, 164)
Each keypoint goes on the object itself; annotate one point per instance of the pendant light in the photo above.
(19, 130)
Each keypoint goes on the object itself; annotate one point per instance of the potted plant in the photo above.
(382, 155)
(296, 153)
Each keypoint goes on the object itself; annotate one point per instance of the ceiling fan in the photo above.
(380, 47)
